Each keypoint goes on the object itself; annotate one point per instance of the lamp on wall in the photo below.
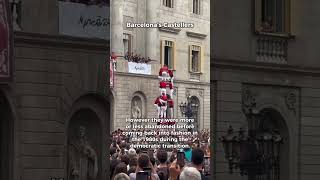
(255, 153)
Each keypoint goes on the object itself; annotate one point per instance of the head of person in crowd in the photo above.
(190, 173)
(113, 150)
(121, 176)
(132, 153)
(197, 158)
(138, 151)
(143, 161)
(120, 168)
(133, 162)
(162, 156)
(125, 159)
(113, 164)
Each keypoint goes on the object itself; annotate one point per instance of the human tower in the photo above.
(164, 101)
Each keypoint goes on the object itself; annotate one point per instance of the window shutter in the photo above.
(257, 14)
(190, 58)
(202, 60)
(130, 44)
(287, 14)
(161, 52)
(174, 56)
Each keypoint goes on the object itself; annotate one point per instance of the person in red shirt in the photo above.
(162, 87)
(170, 106)
(163, 73)
(171, 88)
(170, 72)
(163, 100)
(157, 104)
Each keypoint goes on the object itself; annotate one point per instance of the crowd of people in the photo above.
(131, 57)
(128, 163)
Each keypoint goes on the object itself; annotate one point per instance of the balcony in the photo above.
(272, 48)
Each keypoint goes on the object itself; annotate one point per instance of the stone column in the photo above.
(152, 37)
(116, 21)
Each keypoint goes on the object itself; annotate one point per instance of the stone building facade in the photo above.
(153, 42)
(58, 98)
(278, 68)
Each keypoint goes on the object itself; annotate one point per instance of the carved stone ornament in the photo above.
(136, 108)
(187, 93)
(248, 101)
(201, 93)
(291, 100)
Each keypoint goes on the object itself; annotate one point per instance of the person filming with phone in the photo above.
(145, 170)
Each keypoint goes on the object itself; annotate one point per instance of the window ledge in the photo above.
(192, 14)
(196, 35)
(191, 72)
(279, 35)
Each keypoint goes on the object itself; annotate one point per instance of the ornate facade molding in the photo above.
(291, 101)
(248, 101)
(196, 35)
(170, 30)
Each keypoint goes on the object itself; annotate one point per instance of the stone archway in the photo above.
(6, 138)
(87, 131)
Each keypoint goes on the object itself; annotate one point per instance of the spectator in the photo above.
(113, 150)
(125, 159)
(144, 162)
(197, 159)
(120, 168)
(113, 165)
(174, 171)
(121, 176)
(133, 162)
(163, 169)
(266, 25)
(190, 173)
(132, 153)
(132, 169)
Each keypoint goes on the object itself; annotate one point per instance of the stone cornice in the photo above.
(170, 30)
(196, 35)
(260, 66)
(60, 41)
(156, 77)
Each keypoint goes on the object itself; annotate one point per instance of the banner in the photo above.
(139, 68)
(6, 42)
(91, 21)
(111, 74)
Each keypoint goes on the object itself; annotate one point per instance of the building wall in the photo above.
(50, 76)
(234, 67)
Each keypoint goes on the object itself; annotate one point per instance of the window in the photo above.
(168, 54)
(196, 7)
(195, 58)
(168, 3)
(127, 44)
(272, 16)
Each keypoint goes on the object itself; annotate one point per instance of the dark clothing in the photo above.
(163, 173)
(203, 177)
